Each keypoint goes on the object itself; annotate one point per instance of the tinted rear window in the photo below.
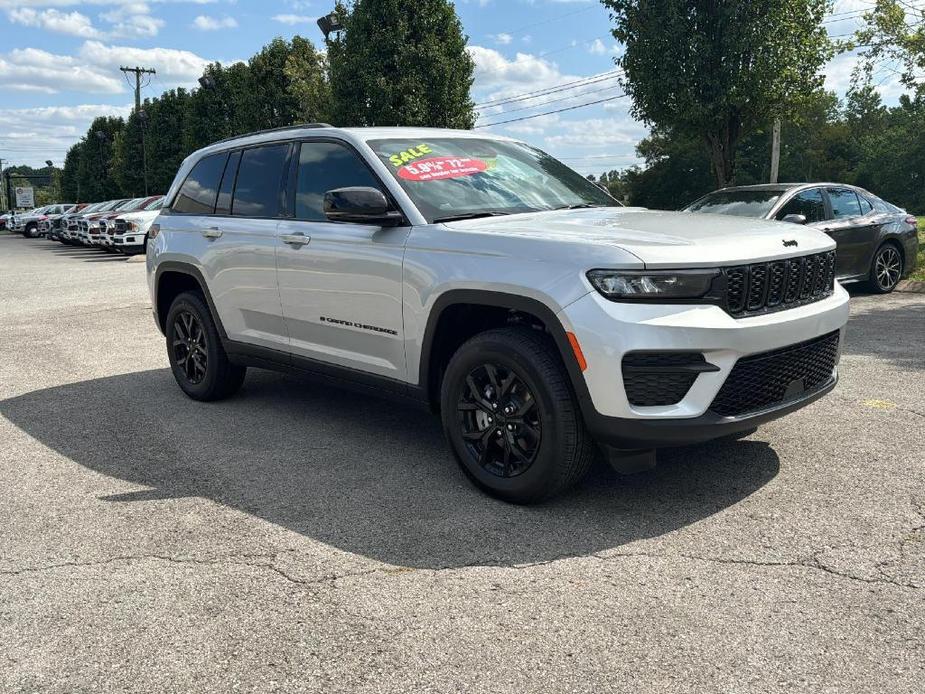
(198, 192)
(844, 203)
(258, 190)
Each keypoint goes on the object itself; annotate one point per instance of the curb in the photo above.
(911, 286)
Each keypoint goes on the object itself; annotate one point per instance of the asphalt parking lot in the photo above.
(298, 538)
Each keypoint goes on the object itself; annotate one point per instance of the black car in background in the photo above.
(876, 242)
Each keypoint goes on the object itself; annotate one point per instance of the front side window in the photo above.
(844, 203)
(198, 192)
(452, 177)
(738, 203)
(809, 203)
(258, 190)
(325, 166)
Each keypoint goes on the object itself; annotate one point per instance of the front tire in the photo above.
(886, 269)
(197, 358)
(511, 419)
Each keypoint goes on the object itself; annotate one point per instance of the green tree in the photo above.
(95, 165)
(894, 37)
(716, 70)
(401, 63)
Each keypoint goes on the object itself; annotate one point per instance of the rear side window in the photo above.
(325, 166)
(198, 192)
(844, 203)
(258, 190)
(866, 207)
(223, 206)
(809, 203)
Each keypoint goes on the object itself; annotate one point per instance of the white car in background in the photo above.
(27, 223)
(131, 229)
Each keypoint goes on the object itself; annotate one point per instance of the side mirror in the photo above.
(795, 218)
(360, 206)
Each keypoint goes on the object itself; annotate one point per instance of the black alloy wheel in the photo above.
(189, 347)
(510, 416)
(500, 420)
(888, 268)
(198, 359)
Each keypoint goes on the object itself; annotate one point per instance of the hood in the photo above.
(139, 216)
(662, 239)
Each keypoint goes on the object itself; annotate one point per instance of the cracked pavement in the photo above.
(299, 538)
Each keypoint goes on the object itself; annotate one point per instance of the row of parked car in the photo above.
(119, 226)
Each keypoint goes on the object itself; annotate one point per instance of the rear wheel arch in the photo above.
(172, 279)
(459, 314)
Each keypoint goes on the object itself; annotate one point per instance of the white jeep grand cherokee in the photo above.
(484, 278)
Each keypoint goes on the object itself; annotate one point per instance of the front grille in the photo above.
(774, 378)
(779, 285)
(661, 378)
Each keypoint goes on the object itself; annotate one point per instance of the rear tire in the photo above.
(197, 358)
(30, 231)
(511, 419)
(886, 269)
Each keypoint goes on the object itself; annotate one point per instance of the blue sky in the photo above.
(59, 63)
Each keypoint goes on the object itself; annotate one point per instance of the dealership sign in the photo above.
(25, 197)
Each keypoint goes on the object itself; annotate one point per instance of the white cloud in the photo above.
(207, 23)
(294, 19)
(502, 39)
(173, 66)
(31, 69)
(494, 70)
(72, 23)
(33, 135)
(597, 47)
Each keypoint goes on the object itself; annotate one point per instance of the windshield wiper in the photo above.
(468, 215)
(579, 206)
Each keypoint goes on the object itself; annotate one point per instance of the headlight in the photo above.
(131, 226)
(620, 285)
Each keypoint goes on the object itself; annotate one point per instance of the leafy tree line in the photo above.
(858, 141)
(393, 64)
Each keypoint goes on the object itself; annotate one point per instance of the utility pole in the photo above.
(3, 207)
(775, 151)
(138, 72)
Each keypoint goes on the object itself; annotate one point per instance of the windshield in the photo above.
(451, 178)
(738, 203)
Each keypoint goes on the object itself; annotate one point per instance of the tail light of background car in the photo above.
(912, 220)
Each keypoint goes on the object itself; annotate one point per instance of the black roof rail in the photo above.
(300, 126)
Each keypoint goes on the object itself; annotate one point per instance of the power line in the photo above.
(549, 113)
(525, 96)
(558, 99)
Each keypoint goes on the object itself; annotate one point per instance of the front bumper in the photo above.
(607, 330)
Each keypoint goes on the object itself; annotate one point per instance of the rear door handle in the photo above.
(296, 239)
(212, 232)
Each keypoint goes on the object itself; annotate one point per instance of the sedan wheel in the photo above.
(887, 269)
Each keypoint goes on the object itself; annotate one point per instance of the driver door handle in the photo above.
(212, 232)
(296, 239)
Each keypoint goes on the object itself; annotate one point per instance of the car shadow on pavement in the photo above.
(368, 476)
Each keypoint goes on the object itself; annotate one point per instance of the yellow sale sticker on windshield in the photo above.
(410, 155)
